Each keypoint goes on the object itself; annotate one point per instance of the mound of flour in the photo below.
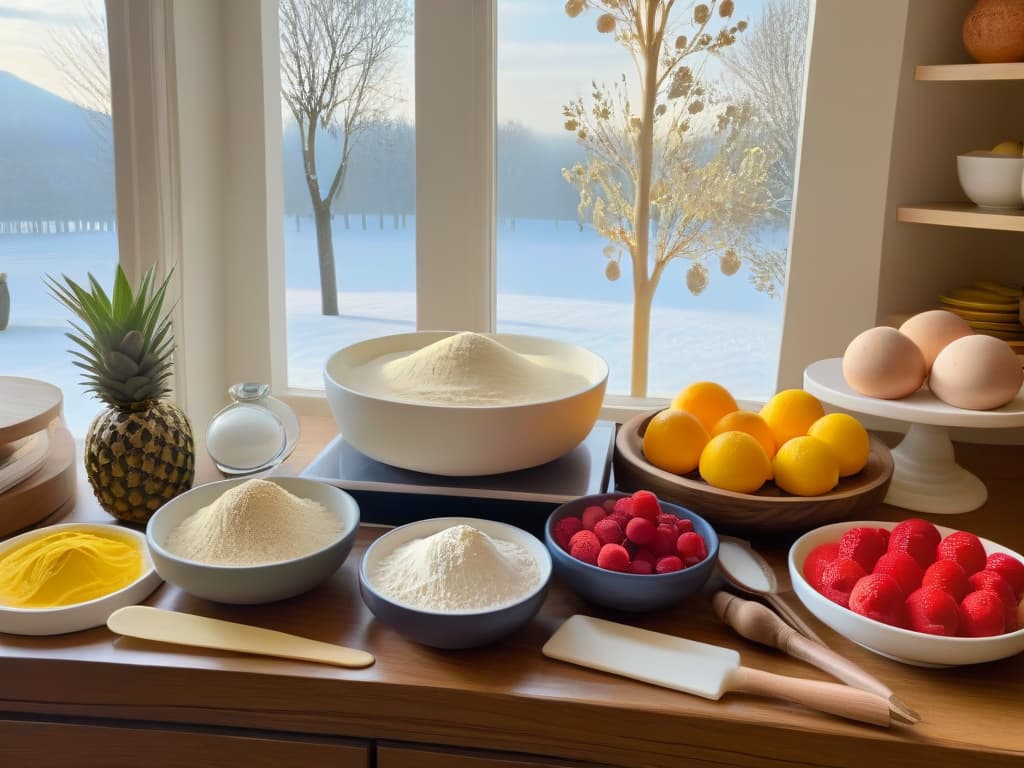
(473, 369)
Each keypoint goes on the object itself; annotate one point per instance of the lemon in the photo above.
(790, 414)
(847, 438)
(706, 400)
(734, 461)
(673, 441)
(752, 424)
(805, 466)
(1013, 148)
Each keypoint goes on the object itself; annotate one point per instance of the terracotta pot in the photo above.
(993, 31)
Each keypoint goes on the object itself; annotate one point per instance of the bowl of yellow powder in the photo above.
(249, 541)
(455, 582)
(464, 404)
(70, 577)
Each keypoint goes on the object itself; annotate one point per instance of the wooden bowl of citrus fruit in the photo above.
(787, 468)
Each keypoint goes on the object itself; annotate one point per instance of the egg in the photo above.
(881, 362)
(976, 372)
(933, 330)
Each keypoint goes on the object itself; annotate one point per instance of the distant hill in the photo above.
(53, 163)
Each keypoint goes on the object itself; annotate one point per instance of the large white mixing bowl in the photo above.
(463, 440)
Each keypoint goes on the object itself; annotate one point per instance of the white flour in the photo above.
(253, 523)
(469, 369)
(457, 569)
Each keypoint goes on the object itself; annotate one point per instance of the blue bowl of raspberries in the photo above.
(630, 552)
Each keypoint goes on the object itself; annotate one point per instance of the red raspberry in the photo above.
(646, 555)
(641, 567)
(839, 578)
(878, 596)
(624, 505)
(918, 538)
(620, 517)
(933, 611)
(613, 557)
(564, 529)
(691, 548)
(668, 564)
(683, 525)
(865, 545)
(608, 531)
(820, 556)
(645, 504)
(982, 614)
(1010, 568)
(640, 531)
(947, 576)
(590, 517)
(609, 505)
(584, 546)
(664, 540)
(994, 582)
(963, 548)
(903, 568)
(666, 519)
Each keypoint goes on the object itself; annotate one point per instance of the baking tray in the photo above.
(391, 496)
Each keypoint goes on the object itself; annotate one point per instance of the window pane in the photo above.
(349, 188)
(56, 183)
(570, 147)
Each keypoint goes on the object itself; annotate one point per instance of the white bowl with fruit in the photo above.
(992, 178)
(892, 589)
(788, 467)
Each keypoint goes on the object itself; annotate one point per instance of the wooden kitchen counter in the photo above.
(92, 698)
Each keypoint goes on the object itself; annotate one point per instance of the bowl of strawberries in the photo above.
(912, 591)
(631, 552)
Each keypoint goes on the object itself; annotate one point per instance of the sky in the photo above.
(545, 59)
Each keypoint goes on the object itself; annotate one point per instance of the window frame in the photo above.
(198, 150)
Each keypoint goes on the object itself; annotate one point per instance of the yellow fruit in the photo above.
(805, 466)
(706, 400)
(790, 414)
(752, 424)
(847, 438)
(674, 440)
(1013, 148)
(735, 461)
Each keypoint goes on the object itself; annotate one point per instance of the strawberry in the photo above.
(814, 565)
(878, 596)
(918, 538)
(902, 567)
(947, 576)
(933, 611)
(865, 545)
(839, 578)
(1010, 568)
(963, 548)
(982, 614)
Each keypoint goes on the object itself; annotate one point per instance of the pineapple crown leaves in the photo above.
(125, 344)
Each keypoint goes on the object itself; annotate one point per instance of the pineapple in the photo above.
(139, 453)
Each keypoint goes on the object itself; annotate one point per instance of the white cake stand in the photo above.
(926, 477)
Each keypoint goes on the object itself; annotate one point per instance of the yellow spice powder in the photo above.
(67, 567)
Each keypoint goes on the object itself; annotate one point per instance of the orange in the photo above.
(735, 461)
(674, 440)
(790, 414)
(847, 438)
(706, 400)
(752, 424)
(805, 466)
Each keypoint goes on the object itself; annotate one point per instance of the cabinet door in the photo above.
(412, 756)
(81, 745)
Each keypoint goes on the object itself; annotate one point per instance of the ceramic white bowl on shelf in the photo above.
(990, 180)
(92, 613)
(904, 645)
(252, 584)
(463, 440)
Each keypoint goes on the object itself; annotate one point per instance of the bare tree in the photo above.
(767, 68)
(671, 177)
(80, 52)
(337, 60)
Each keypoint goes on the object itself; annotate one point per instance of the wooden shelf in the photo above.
(951, 72)
(961, 215)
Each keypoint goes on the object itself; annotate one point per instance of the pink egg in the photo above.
(933, 330)
(976, 372)
(881, 362)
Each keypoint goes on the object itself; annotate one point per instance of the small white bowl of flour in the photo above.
(249, 541)
(464, 404)
(455, 582)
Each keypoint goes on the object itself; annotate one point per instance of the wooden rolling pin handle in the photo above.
(836, 699)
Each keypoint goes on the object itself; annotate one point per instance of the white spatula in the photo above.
(185, 629)
(699, 668)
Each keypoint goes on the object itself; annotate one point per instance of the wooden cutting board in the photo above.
(26, 406)
(43, 492)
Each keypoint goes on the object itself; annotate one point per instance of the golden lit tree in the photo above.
(673, 176)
